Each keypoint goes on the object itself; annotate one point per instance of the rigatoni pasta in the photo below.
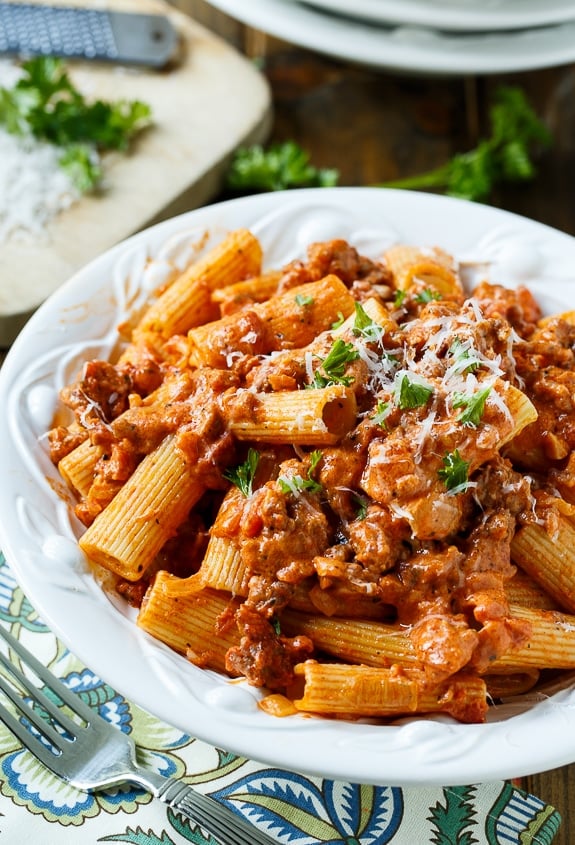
(348, 481)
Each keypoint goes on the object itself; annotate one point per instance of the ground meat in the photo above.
(265, 657)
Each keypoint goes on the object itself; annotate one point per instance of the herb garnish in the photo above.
(427, 295)
(382, 411)
(297, 484)
(411, 394)
(364, 326)
(399, 298)
(473, 404)
(45, 103)
(281, 166)
(243, 475)
(303, 299)
(454, 472)
(334, 364)
(464, 358)
(505, 156)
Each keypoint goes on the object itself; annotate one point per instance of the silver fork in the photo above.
(94, 755)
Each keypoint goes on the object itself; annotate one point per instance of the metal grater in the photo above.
(73, 32)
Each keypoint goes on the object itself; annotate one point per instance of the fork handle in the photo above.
(225, 826)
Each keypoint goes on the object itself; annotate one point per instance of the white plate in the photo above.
(464, 15)
(38, 535)
(411, 49)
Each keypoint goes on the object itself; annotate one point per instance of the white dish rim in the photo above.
(36, 533)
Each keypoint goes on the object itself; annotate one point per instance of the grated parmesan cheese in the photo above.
(33, 186)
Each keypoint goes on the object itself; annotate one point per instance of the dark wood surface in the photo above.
(375, 126)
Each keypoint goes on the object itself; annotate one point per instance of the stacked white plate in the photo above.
(440, 37)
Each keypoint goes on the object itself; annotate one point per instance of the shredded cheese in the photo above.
(33, 186)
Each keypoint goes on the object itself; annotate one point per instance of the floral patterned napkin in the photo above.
(38, 809)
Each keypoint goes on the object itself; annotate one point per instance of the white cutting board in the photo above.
(212, 101)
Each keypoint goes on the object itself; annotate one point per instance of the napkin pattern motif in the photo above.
(294, 808)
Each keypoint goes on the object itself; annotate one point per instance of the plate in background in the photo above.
(410, 49)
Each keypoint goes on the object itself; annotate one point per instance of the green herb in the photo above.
(464, 358)
(381, 413)
(474, 405)
(427, 295)
(364, 326)
(362, 505)
(334, 364)
(276, 626)
(411, 394)
(281, 166)
(303, 300)
(454, 472)
(45, 103)
(399, 298)
(339, 322)
(297, 484)
(243, 475)
(505, 156)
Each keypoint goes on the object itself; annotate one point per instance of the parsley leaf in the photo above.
(454, 472)
(334, 364)
(362, 506)
(243, 475)
(382, 411)
(339, 322)
(364, 326)
(303, 300)
(45, 103)
(281, 166)
(410, 393)
(465, 361)
(297, 484)
(399, 298)
(504, 156)
(473, 404)
(427, 295)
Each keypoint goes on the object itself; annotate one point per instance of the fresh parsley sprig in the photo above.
(281, 166)
(364, 326)
(332, 367)
(473, 405)
(46, 104)
(297, 484)
(243, 475)
(455, 472)
(409, 393)
(504, 156)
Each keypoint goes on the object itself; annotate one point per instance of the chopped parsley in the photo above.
(298, 484)
(332, 367)
(454, 472)
(464, 358)
(303, 300)
(45, 104)
(411, 394)
(364, 326)
(399, 298)
(243, 475)
(382, 411)
(362, 505)
(473, 405)
(427, 295)
(339, 322)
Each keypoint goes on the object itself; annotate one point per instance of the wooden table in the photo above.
(375, 126)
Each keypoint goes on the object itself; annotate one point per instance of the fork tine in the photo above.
(40, 698)
(70, 698)
(28, 740)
